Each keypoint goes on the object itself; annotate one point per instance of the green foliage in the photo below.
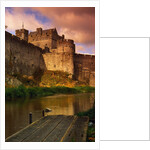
(90, 113)
(21, 91)
(85, 89)
(91, 129)
(10, 92)
(91, 133)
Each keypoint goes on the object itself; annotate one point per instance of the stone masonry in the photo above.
(57, 53)
(22, 57)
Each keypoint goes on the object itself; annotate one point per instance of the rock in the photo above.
(13, 81)
(24, 76)
(47, 110)
(30, 78)
(90, 124)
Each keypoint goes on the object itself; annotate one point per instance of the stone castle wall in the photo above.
(62, 58)
(22, 57)
(51, 52)
(85, 68)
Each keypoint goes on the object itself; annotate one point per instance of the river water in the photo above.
(17, 112)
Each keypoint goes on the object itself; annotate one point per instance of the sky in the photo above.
(76, 23)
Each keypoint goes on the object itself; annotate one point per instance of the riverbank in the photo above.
(23, 92)
(91, 127)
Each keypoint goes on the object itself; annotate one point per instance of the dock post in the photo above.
(43, 114)
(30, 117)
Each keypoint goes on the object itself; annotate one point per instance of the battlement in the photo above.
(44, 38)
(40, 31)
(40, 35)
(65, 43)
(21, 30)
(43, 33)
(86, 56)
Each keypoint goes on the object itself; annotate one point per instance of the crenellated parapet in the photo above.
(45, 38)
(41, 34)
(65, 42)
(66, 46)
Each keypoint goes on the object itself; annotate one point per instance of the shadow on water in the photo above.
(17, 111)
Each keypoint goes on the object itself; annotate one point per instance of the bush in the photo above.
(85, 89)
(10, 93)
(22, 91)
(90, 113)
(91, 129)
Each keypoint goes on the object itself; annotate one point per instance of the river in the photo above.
(17, 112)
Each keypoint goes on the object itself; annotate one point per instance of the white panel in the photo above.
(125, 145)
(124, 89)
(124, 18)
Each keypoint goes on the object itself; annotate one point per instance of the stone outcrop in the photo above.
(13, 82)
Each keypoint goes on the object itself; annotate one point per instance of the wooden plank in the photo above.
(44, 130)
(24, 133)
(60, 130)
(78, 131)
(53, 129)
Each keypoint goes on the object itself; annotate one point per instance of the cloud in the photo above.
(86, 49)
(80, 49)
(77, 23)
(77, 36)
(17, 16)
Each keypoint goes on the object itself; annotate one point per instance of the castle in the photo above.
(46, 50)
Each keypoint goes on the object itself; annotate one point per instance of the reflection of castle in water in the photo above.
(70, 104)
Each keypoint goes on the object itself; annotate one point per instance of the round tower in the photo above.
(66, 51)
(66, 46)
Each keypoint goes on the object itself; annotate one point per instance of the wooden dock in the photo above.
(58, 128)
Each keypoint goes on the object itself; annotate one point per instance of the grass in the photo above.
(91, 129)
(23, 92)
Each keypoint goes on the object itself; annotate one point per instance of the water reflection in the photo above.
(16, 112)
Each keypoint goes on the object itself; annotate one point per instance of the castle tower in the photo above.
(44, 38)
(66, 50)
(62, 58)
(22, 34)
